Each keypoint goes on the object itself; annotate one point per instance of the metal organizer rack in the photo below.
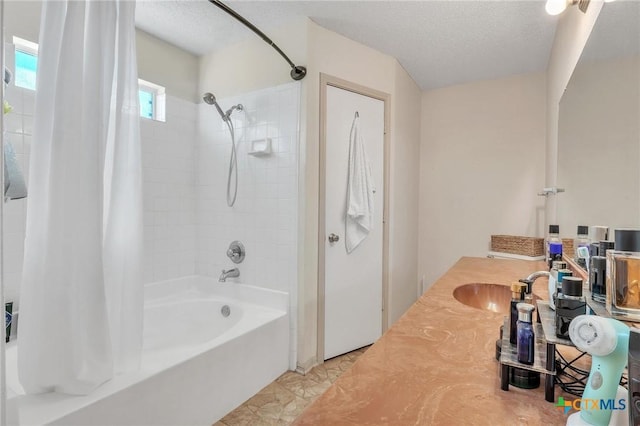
(543, 359)
(545, 351)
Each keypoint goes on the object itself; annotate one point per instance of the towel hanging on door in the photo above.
(360, 190)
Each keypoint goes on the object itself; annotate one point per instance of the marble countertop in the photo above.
(436, 365)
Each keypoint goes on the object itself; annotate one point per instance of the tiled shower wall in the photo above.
(168, 156)
(168, 190)
(264, 217)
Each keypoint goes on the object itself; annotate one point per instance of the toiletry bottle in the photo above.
(597, 271)
(623, 276)
(553, 238)
(604, 246)
(569, 304)
(582, 240)
(554, 280)
(555, 253)
(517, 296)
(597, 278)
(598, 233)
(526, 335)
(561, 274)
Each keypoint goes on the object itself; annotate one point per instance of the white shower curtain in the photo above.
(81, 294)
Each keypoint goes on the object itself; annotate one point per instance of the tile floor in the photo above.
(282, 401)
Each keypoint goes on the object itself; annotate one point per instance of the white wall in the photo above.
(405, 175)
(251, 64)
(167, 65)
(481, 166)
(22, 19)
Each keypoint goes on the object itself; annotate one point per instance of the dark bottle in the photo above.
(597, 272)
(597, 278)
(561, 274)
(555, 253)
(569, 305)
(517, 296)
(526, 335)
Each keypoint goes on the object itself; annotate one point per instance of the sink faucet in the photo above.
(531, 279)
(231, 273)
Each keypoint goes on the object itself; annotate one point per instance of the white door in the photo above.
(353, 282)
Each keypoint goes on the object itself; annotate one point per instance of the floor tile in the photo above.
(283, 400)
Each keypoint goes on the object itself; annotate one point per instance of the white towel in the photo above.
(360, 189)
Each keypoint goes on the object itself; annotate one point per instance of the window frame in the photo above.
(29, 48)
(158, 95)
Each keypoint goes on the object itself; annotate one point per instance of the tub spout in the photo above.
(231, 273)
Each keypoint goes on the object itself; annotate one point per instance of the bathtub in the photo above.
(197, 364)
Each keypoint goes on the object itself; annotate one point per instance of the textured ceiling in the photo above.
(440, 43)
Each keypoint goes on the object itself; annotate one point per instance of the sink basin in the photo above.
(488, 297)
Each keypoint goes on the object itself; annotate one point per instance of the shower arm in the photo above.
(297, 71)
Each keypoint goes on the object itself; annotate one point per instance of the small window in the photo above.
(26, 60)
(152, 96)
(152, 100)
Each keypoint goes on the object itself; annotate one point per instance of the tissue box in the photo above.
(525, 246)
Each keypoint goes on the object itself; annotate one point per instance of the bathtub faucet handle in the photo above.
(236, 252)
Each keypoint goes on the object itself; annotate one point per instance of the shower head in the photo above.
(210, 99)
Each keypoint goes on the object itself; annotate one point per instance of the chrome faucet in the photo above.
(231, 273)
(531, 279)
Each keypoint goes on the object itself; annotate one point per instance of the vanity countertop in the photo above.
(436, 365)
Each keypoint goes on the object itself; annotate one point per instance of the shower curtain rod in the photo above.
(297, 71)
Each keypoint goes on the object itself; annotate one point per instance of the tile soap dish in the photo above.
(260, 147)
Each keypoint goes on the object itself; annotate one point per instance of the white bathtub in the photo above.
(197, 365)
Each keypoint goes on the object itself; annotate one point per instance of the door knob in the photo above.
(333, 238)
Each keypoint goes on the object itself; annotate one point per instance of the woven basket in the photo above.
(525, 246)
(567, 247)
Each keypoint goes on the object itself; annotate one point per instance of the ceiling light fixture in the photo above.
(556, 7)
